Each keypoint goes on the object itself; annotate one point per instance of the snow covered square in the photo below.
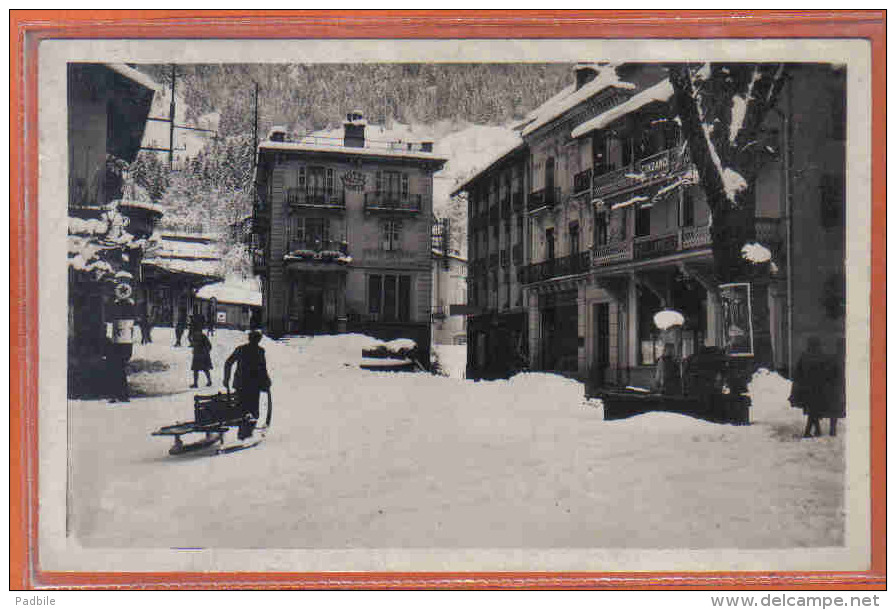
(359, 459)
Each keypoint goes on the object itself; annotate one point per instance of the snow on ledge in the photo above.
(667, 319)
(756, 253)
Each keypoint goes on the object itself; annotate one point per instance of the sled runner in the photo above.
(213, 416)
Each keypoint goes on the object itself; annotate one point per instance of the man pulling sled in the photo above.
(215, 414)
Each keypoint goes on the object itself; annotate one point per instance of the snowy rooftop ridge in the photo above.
(224, 292)
(336, 147)
(135, 75)
(661, 92)
(501, 156)
(570, 97)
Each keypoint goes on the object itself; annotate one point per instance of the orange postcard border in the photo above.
(29, 27)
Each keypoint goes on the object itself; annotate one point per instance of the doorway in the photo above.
(601, 362)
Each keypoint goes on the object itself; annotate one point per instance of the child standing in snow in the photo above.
(202, 358)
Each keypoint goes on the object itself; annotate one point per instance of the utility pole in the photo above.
(171, 125)
(255, 130)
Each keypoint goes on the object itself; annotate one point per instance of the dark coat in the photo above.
(818, 386)
(202, 353)
(251, 371)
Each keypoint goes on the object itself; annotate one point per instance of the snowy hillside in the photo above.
(358, 459)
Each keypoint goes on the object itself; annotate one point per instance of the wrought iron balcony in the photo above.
(557, 267)
(318, 251)
(639, 248)
(315, 198)
(544, 197)
(644, 171)
(393, 202)
(581, 182)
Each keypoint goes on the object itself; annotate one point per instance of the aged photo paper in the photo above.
(112, 499)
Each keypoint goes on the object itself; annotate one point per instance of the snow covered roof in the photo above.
(155, 208)
(134, 75)
(230, 293)
(332, 146)
(569, 97)
(191, 250)
(507, 152)
(661, 92)
(206, 268)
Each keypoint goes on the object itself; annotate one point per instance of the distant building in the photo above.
(449, 281)
(342, 234)
(497, 327)
(181, 261)
(615, 227)
(230, 305)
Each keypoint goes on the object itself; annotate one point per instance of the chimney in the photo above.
(585, 73)
(277, 134)
(354, 129)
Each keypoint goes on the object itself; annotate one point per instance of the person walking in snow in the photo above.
(815, 388)
(250, 379)
(202, 358)
(180, 325)
(667, 379)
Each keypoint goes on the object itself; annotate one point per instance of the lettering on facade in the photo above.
(353, 180)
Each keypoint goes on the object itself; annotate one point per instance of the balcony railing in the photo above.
(318, 251)
(557, 267)
(652, 245)
(609, 254)
(639, 248)
(643, 171)
(544, 197)
(314, 197)
(393, 202)
(581, 182)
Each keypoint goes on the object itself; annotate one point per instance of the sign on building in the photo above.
(738, 318)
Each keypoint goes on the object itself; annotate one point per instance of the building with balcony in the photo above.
(617, 228)
(496, 324)
(342, 234)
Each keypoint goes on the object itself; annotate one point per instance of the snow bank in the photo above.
(770, 393)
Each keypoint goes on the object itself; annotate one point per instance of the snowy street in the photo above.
(359, 459)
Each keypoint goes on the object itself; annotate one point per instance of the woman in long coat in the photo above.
(202, 358)
(817, 388)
